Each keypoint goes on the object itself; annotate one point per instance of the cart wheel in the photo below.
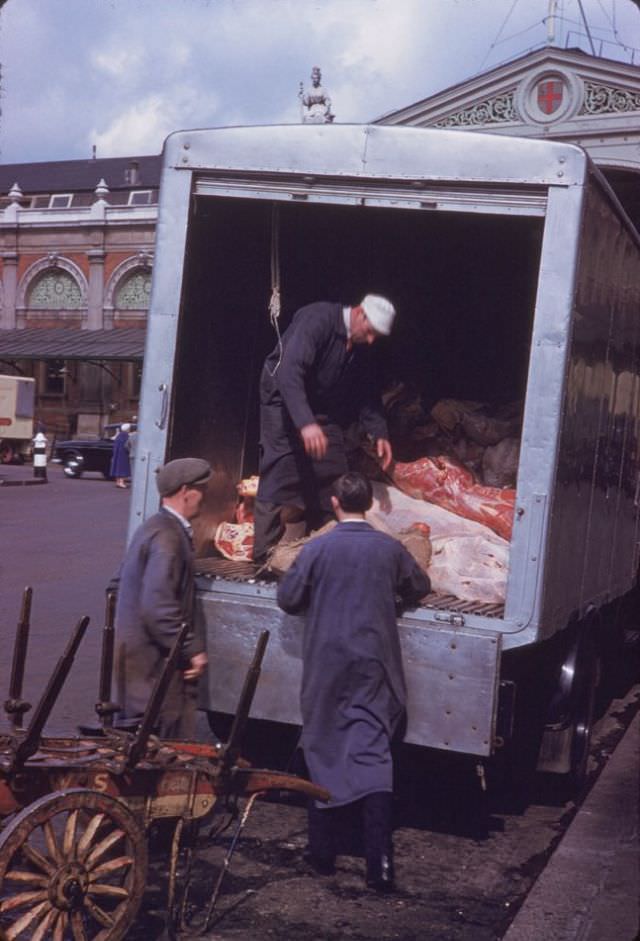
(73, 867)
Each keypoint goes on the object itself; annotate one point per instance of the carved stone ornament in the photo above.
(55, 290)
(134, 292)
(606, 99)
(498, 110)
(102, 190)
(549, 95)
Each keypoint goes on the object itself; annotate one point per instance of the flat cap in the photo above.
(191, 471)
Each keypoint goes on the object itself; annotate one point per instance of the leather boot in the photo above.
(378, 849)
(380, 874)
(320, 853)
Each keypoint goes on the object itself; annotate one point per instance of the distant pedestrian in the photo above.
(156, 594)
(120, 464)
(131, 448)
(353, 687)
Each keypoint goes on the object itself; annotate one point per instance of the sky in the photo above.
(123, 74)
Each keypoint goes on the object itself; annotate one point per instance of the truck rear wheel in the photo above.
(567, 737)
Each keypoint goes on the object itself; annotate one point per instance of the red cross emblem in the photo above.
(549, 95)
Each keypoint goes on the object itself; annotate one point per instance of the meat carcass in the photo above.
(247, 490)
(468, 559)
(415, 538)
(500, 463)
(446, 483)
(234, 541)
(472, 417)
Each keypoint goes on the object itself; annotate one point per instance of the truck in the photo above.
(17, 403)
(516, 275)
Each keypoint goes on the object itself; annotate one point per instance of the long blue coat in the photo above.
(313, 378)
(120, 463)
(353, 690)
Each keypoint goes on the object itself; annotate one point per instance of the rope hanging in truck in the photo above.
(275, 301)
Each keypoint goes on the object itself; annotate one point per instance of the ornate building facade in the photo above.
(76, 256)
(554, 94)
(77, 236)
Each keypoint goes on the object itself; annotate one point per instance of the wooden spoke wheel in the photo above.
(73, 867)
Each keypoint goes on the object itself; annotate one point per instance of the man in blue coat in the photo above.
(353, 689)
(314, 384)
(155, 595)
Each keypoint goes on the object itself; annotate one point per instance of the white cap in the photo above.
(125, 426)
(380, 313)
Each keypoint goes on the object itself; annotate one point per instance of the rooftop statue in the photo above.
(315, 104)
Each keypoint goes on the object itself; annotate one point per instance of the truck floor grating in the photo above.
(224, 568)
(227, 570)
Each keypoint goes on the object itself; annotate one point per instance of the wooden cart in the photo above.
(77, 811)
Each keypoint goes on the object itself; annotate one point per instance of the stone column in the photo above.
(9, 290)
(95, 301)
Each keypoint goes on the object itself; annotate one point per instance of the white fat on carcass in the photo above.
(469, 560)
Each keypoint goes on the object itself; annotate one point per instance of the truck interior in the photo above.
(464, 285)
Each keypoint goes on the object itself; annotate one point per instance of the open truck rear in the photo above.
(516, 276)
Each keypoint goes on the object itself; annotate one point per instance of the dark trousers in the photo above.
(375, 817)
(269, 525)
(268, 528)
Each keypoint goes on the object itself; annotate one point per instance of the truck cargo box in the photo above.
(516, 276)
(17, 403)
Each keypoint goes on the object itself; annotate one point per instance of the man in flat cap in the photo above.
(315, 383)
(155, 595)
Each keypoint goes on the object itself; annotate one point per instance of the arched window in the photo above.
(55, 289)
(134, 291)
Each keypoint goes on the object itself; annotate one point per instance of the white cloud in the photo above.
(141, 127)
(124, 73)
(117, 63)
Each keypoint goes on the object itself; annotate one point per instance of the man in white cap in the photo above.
(155, 588)
(314, 385)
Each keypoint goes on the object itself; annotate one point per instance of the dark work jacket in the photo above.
(353, 688)
(317, 380)
(155, 595)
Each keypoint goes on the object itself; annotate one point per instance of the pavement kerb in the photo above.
(590, 889)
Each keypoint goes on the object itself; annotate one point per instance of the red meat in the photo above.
(235, 541)
(442, 481)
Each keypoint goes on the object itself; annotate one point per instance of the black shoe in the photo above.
(323, 866)
(380, 874)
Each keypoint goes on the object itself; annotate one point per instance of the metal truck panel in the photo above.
(451, 673)
(160, 345)
(17, 400)
(543, 416)
(380, 153)
(592, 554)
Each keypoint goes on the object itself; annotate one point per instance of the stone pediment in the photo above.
(551, 92)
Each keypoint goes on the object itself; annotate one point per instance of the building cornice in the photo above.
(18, 216)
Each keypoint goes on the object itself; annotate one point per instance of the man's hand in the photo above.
(383, 448)
(314, 441)
(198, 663)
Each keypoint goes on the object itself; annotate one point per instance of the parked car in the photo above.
(87, 454)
